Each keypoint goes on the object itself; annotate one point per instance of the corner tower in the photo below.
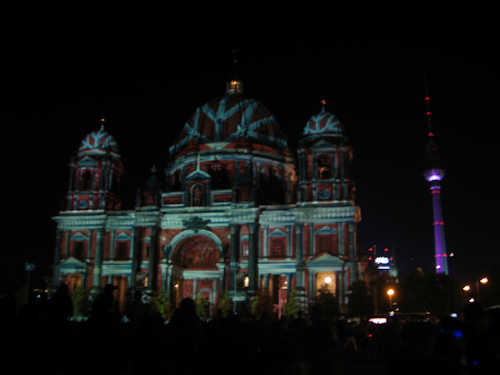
(434, 173)
(96, 174)
(325, 161)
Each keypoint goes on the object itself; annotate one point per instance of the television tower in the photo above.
(434, 173)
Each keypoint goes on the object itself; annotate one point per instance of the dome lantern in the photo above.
(234, 85)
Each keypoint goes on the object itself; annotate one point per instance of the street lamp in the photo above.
(390, 292)
(466, 288)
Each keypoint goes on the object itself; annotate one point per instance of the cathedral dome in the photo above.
(324, 123)
(98, 142)
(223, 122)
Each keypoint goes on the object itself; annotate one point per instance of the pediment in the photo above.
(198, 175)
(122, 237)
(326, 230)
(87, 161)
(277, 232)
(325, 260)
(79, 236)
(72, 262)
(322, 144)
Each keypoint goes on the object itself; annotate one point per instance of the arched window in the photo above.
(277, 244)
(324, 167)
(86, 181)
(197, 196)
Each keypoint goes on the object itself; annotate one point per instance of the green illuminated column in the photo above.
(57, 255)
(233, 262)
(252, 261)
(98, 259)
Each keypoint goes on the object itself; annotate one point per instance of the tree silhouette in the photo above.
(360, 303)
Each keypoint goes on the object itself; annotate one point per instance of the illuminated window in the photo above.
(244, 248)
(325, 243)
(324, 165)
(277, 246)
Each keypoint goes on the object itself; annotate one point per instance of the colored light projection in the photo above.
(98, 140)
(323, 122)
(225, 119)
(199, 253)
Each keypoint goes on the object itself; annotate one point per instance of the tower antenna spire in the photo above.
(428, 106)
(434, 173)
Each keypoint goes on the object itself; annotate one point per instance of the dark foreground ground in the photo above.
(35, 342)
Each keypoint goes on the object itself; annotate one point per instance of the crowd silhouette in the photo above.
(42, 338)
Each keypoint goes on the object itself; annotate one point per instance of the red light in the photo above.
(370, 249)
(391, 258)
(430, 135)
(445, 255)
(370, 335)
(427, 98)
(386, 249)
(429, 113)
(370, 258)
(102, 120)
(442, 223)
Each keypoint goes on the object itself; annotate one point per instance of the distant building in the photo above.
(383, 261)
(236, 212)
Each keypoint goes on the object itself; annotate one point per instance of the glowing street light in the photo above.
(390, 292)
(466, 288)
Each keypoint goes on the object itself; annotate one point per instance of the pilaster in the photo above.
(252, 261)
(234, 264)
(289, 242)
(98, 260)
(112, 245)
(66, 245)
(340, 238)
(134, 238)
(299, 257)
(57, 255)
(152, 257)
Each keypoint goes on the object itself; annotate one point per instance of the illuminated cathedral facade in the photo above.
(235, 211)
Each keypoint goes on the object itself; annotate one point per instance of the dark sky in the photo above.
(148, 76)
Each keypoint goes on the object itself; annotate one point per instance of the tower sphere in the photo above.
(435, 174)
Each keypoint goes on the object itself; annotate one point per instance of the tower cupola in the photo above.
(325, 161)
(234, 85)
(96, 174)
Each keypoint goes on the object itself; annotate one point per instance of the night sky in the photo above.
(147, 77)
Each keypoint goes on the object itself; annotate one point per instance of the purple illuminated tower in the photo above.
(434, 173)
